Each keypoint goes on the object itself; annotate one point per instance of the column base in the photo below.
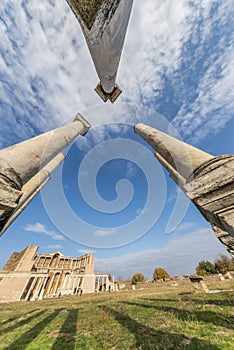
(108, 96)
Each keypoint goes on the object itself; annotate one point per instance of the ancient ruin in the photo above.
(199, 284)
(31, 276)
(104, 24)
(26, 167)
(207, 180)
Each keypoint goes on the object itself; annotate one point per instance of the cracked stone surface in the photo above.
(87, 9)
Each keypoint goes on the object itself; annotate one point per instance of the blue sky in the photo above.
(111, 197)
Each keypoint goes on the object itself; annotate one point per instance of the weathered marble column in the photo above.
(38, 288)
(207, 180)
(48, 284)
(104, 24)
(20, 162)
(41, 294)
(55, 289)
(33, 187)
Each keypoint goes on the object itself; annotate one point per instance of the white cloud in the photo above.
(47, 74)
(102, 232)
(214, 105)
(42, 50)
(41, 228)
(85, 251)
(186, 226)
(138, 211)
(182, 64)
(53, 246)
(179, 256)
(154, 45)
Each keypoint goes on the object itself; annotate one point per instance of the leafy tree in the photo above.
(138, 277)
(224, 264)
(160, 273)
(205, 267)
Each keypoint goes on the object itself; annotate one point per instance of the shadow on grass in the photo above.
(218, 302)
(161, 300)
(147, 338)
(201, 299)
(27, 337)
(20, 323)
(3, 323)
(185, 315)
(66, 337)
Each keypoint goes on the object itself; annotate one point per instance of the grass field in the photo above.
(163, 317)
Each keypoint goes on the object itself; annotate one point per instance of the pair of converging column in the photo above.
(207, 180)
(26, 167)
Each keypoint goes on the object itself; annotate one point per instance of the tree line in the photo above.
(158, 274)
(220, 265)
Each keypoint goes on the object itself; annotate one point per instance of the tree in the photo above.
(224, 264)
(160, 273)
(205, 267)
(138, 277)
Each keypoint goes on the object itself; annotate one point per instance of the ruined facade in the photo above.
(31, 276)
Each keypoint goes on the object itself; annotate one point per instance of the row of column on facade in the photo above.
(56, 284)
(57, 262)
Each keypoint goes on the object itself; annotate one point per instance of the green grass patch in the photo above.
(145, 319)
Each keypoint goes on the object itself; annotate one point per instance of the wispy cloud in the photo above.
(214, 104)
(53, 246)
(42, 229)
(38, 67)
(86, 251)
(103, 232)
(179, 256)
(186, 226)
(180, 66)
(173, 61)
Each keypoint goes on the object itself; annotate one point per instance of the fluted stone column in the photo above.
(207, 180)
(104, 24)
(20, 162)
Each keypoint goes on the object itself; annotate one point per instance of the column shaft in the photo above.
(104, 24)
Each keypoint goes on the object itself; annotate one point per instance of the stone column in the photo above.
(33, 187)
(38, 288)
(25, 286)
(65, 281)
(104, 24)
(40, 296)
(33, 289)
(48, 288)
(30, 288)
(59, 286)
(69, 281)
(72, 282)
(55, 289)
(207, 180)
(76, 284)
(20, 162)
